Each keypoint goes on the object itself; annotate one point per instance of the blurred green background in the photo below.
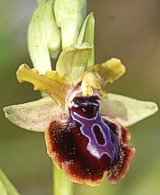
(129, 30)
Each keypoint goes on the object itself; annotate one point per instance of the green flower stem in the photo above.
(61, 184)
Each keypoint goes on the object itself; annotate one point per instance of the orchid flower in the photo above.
(85, 126)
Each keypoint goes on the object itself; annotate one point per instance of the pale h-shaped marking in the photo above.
(96, 149)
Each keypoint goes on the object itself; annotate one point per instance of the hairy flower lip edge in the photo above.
(62, 166)
(73, 178)
(127, 165)
(124, 137)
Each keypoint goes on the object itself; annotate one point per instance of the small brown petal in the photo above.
(119, 170)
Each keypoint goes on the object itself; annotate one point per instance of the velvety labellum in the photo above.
(86, 145)
(85, 111)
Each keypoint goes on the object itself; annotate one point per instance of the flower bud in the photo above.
(44, 39)
(70, 15)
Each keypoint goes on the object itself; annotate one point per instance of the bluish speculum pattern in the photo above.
(101, 139)
(86, 145)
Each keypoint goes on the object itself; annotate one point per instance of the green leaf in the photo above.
(69, 17)
(6, 187)
(44, 38)
(125, 110)
(34, 116)
(87, 35)
(72, 61)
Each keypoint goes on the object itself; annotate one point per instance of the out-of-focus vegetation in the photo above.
(128, 30)
(6, 187)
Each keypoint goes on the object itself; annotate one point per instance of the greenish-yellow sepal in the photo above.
(125, 110)
(44, 38)
(53, 83)
(34, 116)
(69, 17)
(87, 35)
(72, 61)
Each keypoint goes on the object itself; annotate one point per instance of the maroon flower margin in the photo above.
(87, 146)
